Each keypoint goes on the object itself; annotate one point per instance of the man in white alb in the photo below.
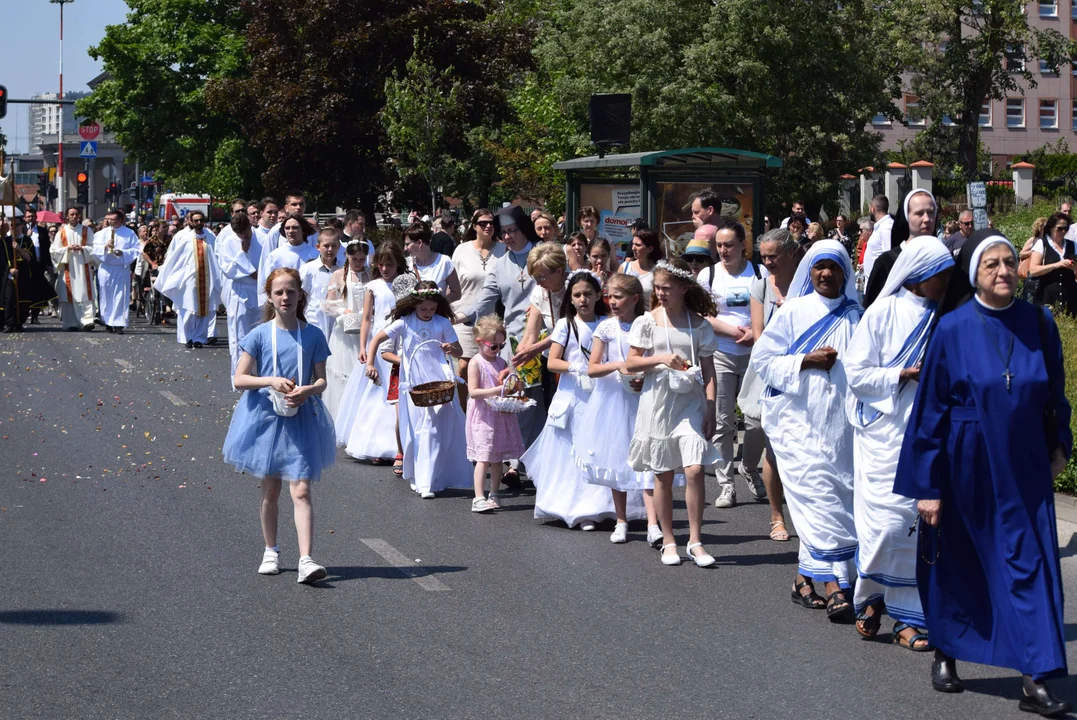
(115, 248)
(191, 279)
(73, 259)
(239, 253)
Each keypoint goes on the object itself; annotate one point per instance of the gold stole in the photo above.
(201, 276)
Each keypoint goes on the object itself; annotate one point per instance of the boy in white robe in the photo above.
(315, 275)
(72, 256)
(292, 253)
(239, 252)
(800, 358)
(191, 279)
(882, 365)
(115, 248)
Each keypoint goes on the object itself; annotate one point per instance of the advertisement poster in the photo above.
(675, 211)
(618, 205)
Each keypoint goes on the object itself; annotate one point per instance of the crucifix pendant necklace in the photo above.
(1005, 360)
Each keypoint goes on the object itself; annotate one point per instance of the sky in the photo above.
(31, 34)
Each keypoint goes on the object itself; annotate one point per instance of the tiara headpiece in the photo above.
(582, 271)
(673, 270)
(354, 241)
(426, 292)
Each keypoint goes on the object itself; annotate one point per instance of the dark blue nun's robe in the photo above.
(994, 595)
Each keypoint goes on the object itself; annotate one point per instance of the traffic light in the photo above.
(43, 184)
(3, 101)
(82, 193)
(112, 194)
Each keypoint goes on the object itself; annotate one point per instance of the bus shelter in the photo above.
(659, 186)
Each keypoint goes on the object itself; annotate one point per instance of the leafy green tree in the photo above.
(158, 63)
(963, 53)
(800, 80)
(417, 107)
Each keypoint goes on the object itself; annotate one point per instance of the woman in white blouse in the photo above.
(430, 265)
(473, 259)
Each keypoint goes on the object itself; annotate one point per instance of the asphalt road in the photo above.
(129, 587)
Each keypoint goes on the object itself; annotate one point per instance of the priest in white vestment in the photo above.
(800, 358)
(191, 279)
(72, 256)
(115, 248)
(883, 367)
(239, 254)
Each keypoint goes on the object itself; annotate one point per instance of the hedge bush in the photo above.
(1067, 327)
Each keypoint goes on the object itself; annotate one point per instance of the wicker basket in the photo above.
(433, 393)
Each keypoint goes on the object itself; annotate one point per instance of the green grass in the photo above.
(1067, 328)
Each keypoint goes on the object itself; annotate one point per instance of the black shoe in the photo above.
(211, 341)
(119, 331)
(88, 328)
(944, 674)
(190, 344)
(1042, 702)
(198, 344)
(109, 328)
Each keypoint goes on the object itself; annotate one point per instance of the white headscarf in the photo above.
(823, 250)
(905, 205)
(974, 261)
(921, 258)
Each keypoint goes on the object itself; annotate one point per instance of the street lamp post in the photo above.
(61, 199)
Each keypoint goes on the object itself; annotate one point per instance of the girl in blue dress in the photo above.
(280, 429)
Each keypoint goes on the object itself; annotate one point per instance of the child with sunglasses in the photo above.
(492, 437)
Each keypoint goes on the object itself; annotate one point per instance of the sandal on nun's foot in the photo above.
(917, 641)
(810, 599)
(838, 607)
(868, 623)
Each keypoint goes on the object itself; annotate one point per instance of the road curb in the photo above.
(1066, 518)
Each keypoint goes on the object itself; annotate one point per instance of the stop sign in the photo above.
(89, 131)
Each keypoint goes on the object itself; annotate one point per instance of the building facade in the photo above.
(1022, 122)
(45, 119)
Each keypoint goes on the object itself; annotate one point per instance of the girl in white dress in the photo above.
(366, 421)
(674, 345)
(430, 265)
(561, 490)
(434, 438)
(605, 423)
(345, 303)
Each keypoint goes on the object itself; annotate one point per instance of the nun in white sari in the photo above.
(800, 358)
(882, 365)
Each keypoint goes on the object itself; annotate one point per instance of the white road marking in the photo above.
(172, 398)
(124, 364)
(395, 558)
(93, 342)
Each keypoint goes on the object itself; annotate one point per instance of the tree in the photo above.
(417, 109)
(799, 80)
(158, 64)
(313, 99)
(963, 53)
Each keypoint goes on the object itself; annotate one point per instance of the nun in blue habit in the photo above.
(989, 431)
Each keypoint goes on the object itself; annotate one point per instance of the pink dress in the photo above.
(491, 436)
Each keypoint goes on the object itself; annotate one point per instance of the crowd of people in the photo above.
(875, 377)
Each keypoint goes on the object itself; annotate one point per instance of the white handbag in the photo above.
(280, 403)
(352, 322)
(683, 382)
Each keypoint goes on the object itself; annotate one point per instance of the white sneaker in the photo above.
(270, 563)
(426, 495)
(756, 488)
(727, 497)
(654, 536)
(620, 533)
(587, 525)
(309, 571)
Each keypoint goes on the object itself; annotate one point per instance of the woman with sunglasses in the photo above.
(647, 250)
(1052, 265)
(474, 260)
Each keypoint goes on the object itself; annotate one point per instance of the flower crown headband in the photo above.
(582, 271)
(426, 292)
(673, 270)
(354, 241)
